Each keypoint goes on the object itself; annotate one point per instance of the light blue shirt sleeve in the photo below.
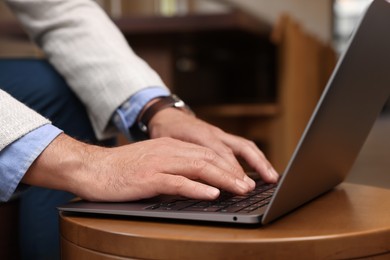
(16, 158)
(127, 114)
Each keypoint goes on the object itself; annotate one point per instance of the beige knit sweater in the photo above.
(89, 51)
(16, 119)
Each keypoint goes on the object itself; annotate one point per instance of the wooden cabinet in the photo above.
(222, 65)
(239, 73)
(207, 59)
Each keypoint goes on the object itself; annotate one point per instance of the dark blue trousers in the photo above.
(37, 84)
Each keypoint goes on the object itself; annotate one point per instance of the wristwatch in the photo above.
(163, 103)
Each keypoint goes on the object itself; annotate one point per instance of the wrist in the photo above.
(157, 105)
(60, 166)
(52, 167)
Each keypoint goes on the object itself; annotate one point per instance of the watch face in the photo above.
(179, 104)
(142, 127)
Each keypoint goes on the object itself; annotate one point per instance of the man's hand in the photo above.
(136, 171)
(177, 124)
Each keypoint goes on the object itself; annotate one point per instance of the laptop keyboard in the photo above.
(226, 202)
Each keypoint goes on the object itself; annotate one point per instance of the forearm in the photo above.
(63, 166)
(136, 171)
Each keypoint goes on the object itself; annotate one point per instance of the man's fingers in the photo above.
(255, 158)
(199, 169)
(198, 157)
(211, 140)
(180, 185)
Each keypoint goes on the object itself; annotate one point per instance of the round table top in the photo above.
(348, 222)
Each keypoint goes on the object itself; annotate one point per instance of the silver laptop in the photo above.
(355, 95)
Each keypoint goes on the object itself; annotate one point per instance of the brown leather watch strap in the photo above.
(162, 103)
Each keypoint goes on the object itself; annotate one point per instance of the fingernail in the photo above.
(273, 174)
(213, 192)
(243, 186)
(249, 181)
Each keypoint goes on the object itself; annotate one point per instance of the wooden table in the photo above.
(352, 221)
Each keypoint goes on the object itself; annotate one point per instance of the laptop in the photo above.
(351, 102)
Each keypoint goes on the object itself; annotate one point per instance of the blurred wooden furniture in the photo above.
(238, 72)
(350, 222)
(223, 65)
(305, 65)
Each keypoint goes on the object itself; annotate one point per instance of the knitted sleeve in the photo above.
(16, 119)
